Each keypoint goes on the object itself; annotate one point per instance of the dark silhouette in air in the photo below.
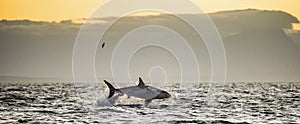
(103, 44)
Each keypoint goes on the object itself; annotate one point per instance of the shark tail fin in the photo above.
(112, 89)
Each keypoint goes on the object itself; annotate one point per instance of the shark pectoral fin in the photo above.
(141, 83)
(147, 101)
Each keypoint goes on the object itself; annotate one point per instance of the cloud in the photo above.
(257, 48)
(226, 22)
(33, 28)
(254, 19)
(36, 49)
(294, 35)
(233, 22)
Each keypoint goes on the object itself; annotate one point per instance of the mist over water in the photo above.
(245, 102)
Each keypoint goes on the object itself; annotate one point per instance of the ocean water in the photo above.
(238, 103)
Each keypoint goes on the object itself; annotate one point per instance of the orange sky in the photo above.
(56, 10)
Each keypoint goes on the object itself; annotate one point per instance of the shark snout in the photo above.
(165, 94)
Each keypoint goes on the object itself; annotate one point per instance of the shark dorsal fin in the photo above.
(141, 83)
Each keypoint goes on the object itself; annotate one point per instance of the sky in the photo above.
(51, 10)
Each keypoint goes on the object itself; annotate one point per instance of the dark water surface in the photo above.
(234, 103)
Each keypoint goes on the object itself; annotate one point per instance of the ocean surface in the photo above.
(237, 103)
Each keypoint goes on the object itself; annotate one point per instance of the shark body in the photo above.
(142, 91)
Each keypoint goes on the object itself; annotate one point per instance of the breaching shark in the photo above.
(148, 93)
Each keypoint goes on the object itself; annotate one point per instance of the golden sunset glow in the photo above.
(296, 26)
(51, 10)
(47, 10)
